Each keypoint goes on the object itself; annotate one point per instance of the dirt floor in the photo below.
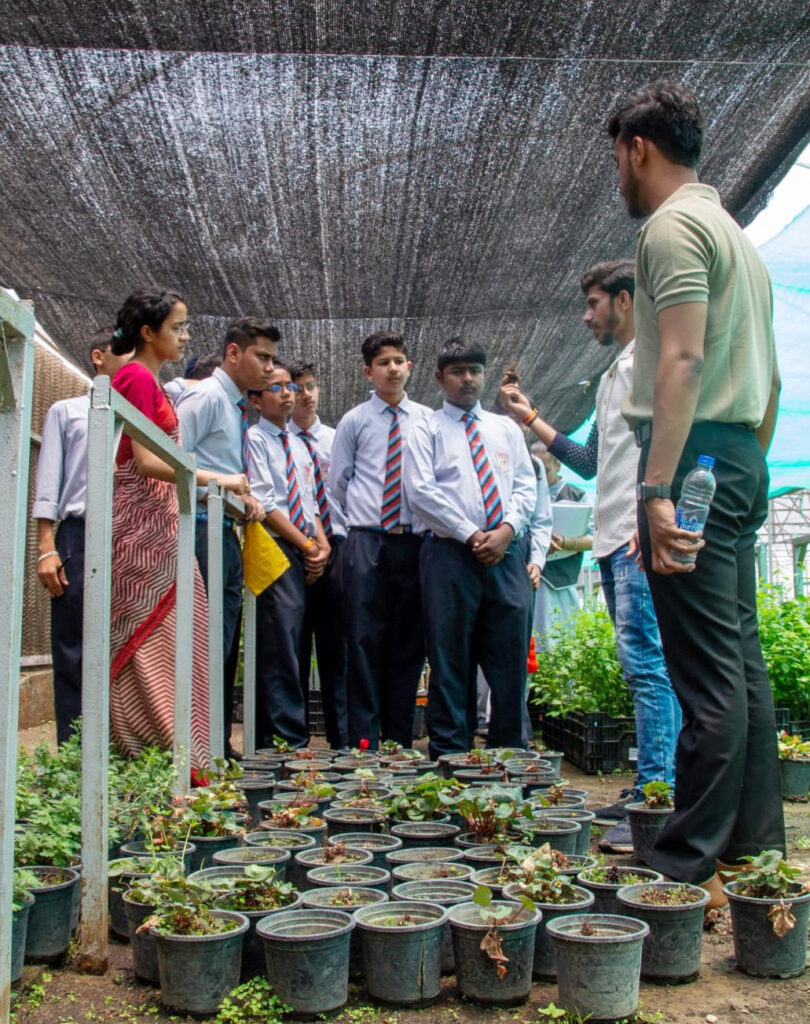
(722, 995)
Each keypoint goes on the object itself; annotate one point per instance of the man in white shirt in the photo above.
(61, 494)
(610, 454)
(470, 483)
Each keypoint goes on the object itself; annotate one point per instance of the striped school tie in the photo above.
(242, 407)
(486, 478)
(320, 490)
(295, 509)
(392, 488)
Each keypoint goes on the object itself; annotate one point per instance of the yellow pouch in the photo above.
(262, 559)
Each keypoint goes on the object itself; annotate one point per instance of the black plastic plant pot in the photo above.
(375, 843)
(560, 833)
(598, 972)
(349, 899)
(757, 948)
(144, 947)
(437, 870)
(493, 878)
(544, 966)
(605, 901)
(646, 824)
(495, 854)
(117, 885)
(141, 848)
(671, 953)
(349, 874)
(306, 860)
(280, 838)
(795, 773)
(476, 972)
(256, 790)
(265, 857)
(207, 846)
(19, 931)
(198, 971)
(401, 950)
(578, 814)
(447, 893)
(353, 819)
(425, 833)
(49, 918)
(306, 955)
(316, 829)
(422, 854)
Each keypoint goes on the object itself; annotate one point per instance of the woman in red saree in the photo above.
(144, 560)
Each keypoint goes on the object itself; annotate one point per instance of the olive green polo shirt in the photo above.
(691, 250)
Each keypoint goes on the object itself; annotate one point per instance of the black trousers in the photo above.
(727, 782)
(67, 618)
(384, 631)
(231, 608)
(280, 698)
(324, 617)
(474, 615)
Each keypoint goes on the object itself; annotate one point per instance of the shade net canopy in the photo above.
(439, 167)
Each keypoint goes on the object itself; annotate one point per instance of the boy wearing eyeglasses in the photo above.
(282, 479)
(324, 615)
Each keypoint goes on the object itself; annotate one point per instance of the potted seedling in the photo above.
(493, 945)
(22, 900)
(50, 916)
(605, 880)
(121, 874)
(431, 869)
(211, 820)
(674, 913)
(199, 948)
(794, 765)
(648, 817)
(300, 815)
(539, 878)
(401, 951)
(598, 958)
(375, 843)
(770, 910)
(140, 902)
(341, 875)
(444, 892)
(425, 799)
(577, 814)
(256, 892)
(490, 817)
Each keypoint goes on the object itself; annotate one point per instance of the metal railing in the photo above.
(16, 391)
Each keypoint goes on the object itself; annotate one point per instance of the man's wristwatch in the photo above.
(646, 491)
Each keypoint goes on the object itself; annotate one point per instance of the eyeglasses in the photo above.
(311, 385)
(276, 389)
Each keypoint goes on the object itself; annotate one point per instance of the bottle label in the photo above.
(692, 521)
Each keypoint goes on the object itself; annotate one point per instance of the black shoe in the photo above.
(231, 754)
(617, 839)
(612, 813)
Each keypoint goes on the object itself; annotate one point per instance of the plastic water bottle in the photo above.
(692, 509)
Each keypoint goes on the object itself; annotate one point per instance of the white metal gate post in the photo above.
(249, 677)
(216, 653)
(108, 411)
(96, 676)
(16, 389)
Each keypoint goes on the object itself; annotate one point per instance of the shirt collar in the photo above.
(691, 188)
(379, 405)
(269, 428)
(227, 385)
(293, 427)
(625, 353)
(455, 413)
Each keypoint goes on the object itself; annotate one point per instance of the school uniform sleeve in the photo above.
(196, 415)
(540, 527)
(524, 483)
(422, 492)
(261, 479)
(50, 465)
(342, 467)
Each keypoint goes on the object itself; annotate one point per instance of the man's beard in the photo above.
(631, 198)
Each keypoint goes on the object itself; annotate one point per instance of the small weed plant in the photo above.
(254, 1002)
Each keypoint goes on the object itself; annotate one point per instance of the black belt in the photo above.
(227, 522)
(395, 530)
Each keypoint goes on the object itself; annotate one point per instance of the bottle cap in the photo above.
(705, 460)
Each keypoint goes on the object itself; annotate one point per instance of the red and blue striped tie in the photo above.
(295, 509)
(392, 488)
(242, 407)
(486, 478)
(320, 490)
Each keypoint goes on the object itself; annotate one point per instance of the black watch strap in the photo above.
(646, 491)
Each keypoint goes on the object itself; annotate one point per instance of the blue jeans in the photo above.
(658, 714)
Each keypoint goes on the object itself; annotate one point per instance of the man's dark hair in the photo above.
(459, 350)
(201, 367)
(374, 342)
(246, 330)
(301, 370)
(612, 276)
(99, 340)
(666, 113)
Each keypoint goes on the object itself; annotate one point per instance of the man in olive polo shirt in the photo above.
(705, 381)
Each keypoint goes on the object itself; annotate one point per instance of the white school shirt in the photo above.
(61, 488)
(323, 440)
(268, 472)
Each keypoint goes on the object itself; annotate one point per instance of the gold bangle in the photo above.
(528, 420)
(308, 544)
